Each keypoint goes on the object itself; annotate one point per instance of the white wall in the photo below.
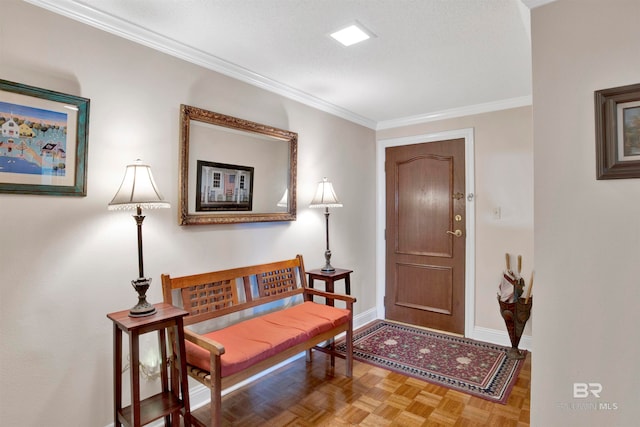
(587, 234)
(503, 178)
(66, 262)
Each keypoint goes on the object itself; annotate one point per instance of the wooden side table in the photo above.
(330, 278)
(168, 403)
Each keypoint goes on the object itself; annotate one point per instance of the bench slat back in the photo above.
(210, 295)
(277, 281)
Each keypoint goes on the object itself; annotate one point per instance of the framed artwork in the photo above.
(223, 187)
(618, 132)
(43, 141)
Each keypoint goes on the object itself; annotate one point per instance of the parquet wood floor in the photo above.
(307, 394)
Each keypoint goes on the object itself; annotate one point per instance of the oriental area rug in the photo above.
(472, 367)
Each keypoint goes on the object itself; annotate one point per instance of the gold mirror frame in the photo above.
(249, 131)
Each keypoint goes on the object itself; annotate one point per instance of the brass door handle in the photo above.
(457, 233)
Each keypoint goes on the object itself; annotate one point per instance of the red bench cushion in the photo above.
(254, 340)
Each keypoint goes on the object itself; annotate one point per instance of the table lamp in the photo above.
(326, 198)
(137, 191)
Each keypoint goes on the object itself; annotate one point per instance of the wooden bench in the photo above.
(289, 322)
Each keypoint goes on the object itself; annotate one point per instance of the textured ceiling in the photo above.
(428, 56)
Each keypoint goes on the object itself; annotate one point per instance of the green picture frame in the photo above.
(43, 141)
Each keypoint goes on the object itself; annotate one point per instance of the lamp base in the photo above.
(327, 263)
(142, 308)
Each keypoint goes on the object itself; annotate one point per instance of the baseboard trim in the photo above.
(363, 318)
(495, 336)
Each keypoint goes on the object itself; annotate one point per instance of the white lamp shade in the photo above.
(138, 189)
(325, 196)
(283, 203)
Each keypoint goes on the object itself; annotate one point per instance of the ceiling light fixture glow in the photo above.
(351, 35)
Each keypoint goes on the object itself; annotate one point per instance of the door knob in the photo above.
(457, 233)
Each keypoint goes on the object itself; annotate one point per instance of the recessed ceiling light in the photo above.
(351, 35)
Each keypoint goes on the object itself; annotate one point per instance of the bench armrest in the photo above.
(208, 344)
(310, 292)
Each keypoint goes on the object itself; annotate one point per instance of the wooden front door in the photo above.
(425, 234)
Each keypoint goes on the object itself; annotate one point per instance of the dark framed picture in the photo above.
(223, 187)
(618, 132)
(43, 141)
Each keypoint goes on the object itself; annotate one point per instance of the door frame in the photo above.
(470, 272)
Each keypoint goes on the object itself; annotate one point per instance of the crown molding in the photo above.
(122, 28)
(111, 24)
(470, 110)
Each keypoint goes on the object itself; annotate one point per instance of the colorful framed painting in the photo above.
(43, 141)
(223, 187)
(618, 132)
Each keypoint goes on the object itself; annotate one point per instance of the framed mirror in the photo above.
(234, 170)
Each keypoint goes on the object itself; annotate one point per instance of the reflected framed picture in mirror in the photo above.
(223, 187)
(234, 170)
